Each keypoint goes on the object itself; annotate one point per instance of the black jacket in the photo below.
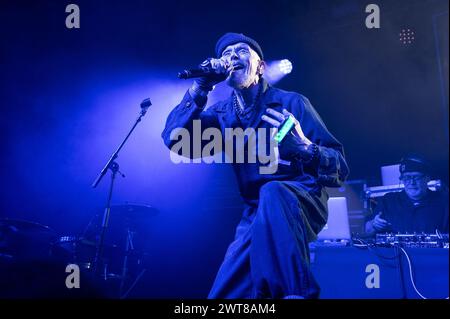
(330, 169)
(426, 216)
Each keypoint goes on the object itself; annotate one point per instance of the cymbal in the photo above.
(24, 226)
(25, 239)
(134, 209)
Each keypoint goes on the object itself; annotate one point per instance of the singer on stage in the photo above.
(285, 210)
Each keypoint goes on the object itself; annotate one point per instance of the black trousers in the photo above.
(269, 257)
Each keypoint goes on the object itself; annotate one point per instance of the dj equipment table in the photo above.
(348, 272)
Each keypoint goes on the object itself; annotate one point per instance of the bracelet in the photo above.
(201, 89)
(313, 151)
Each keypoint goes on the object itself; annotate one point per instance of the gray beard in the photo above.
(240, 81)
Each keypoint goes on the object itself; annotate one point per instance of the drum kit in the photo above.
(124, 258)
(109, 248)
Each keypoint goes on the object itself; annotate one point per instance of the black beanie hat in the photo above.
(233, 38)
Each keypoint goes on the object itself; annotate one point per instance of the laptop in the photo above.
(337, 227)
(390, 175)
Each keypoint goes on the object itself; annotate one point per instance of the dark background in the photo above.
(68, 97)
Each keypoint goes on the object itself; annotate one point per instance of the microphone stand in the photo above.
(114, 167)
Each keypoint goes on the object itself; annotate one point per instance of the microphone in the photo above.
(208, 67)
(195, 73)
(145, 104)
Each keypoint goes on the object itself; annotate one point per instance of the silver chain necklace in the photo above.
(239, 109)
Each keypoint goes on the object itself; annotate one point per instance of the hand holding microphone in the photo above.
(208, 67)
(208, 74)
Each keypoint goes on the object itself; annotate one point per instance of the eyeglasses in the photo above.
(411, 178)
